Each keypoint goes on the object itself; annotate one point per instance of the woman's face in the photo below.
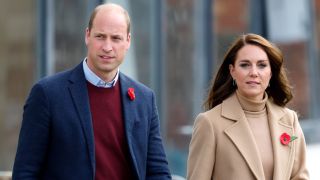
(251, 71)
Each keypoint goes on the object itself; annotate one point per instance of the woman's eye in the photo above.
(244, 65)
(262, 65)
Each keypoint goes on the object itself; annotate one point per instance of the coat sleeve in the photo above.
(157, 165)
(201, 150)
(299, 171)
(33, 138)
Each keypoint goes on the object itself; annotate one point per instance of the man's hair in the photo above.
(125, 14)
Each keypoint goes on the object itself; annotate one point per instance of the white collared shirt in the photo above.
(96, 80)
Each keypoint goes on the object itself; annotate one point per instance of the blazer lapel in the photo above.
(128, 105)
(282, 154)
(241, 135)
(129, 114)
(79, 93)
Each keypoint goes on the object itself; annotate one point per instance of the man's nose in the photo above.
(107, 46)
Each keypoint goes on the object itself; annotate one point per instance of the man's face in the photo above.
(107, 43)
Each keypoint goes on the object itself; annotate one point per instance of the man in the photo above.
(93, 122)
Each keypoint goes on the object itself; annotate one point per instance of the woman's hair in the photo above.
(222, 86)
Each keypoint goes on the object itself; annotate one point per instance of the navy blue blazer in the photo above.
(56, 138)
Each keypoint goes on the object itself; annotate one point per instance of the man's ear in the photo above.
(129, 40)
(87, 35)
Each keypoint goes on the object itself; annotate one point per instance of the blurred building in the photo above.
(176, 48)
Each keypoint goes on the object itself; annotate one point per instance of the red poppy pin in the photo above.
(131, 94)
(285, 138)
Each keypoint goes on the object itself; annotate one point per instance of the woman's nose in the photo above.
(254, 71)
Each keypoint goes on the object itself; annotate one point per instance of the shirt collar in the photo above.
(96, 80)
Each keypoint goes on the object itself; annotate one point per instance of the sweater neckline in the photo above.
(252, 105)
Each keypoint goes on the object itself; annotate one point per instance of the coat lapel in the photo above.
(282, 154)
(241, 135)
(79, 93)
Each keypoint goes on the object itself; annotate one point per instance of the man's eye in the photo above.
(99, 36)
(117, 38)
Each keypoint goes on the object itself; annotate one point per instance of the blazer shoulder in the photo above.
(134, 83)
(56, 78)
(56, 84)
(63, 77)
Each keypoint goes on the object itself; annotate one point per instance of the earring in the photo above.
(234, 82)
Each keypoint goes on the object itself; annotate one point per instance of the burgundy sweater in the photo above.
(111, 148)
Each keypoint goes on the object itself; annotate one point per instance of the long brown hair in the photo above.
(222, 86)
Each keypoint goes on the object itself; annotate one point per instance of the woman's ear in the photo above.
(231, 70)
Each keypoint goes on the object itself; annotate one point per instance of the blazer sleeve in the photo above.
(157, 165)
(299, 171)
(201, 150)
(33, 138)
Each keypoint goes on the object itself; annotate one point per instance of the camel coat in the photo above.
(223, 147)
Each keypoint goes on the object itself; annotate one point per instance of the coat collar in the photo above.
(282, 155)
(241, 135)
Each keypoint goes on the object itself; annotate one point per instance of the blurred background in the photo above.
(177, 46)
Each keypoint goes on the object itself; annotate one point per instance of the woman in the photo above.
(247, 132)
